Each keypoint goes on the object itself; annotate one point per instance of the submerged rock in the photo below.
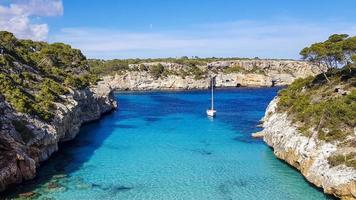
(229, 187)
(120, 188)
(53, 185)
(113, 188)
(258, 134)
(27, 194)
(203, 152)
(59, 176)
(84, 186)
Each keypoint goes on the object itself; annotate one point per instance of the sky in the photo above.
(108, 29)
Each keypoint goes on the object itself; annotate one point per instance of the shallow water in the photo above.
(162, 146)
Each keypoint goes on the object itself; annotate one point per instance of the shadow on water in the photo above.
(241, 111)
(227, 188)
(53, 172)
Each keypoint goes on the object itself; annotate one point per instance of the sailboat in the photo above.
(211, 112)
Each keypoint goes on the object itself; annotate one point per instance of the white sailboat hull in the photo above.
(211, 113)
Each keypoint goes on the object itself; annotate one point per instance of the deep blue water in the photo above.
(162, 146)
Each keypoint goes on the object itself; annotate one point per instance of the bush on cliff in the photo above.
(196, 72)
(116, 66)
(156, 70)
(33, 75)
(347, 159)
(328, 108)
(109, 67)
(233, 69)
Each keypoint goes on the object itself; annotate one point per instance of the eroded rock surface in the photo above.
(25, 141)
(254, 73)
(308, 154)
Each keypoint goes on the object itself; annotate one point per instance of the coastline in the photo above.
(85, 106)
(85, 162)
(285, 157)
(195, 89)
(90, 104)
(307, 155)
(66, 127)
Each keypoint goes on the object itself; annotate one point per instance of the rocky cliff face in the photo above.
(235, 73)
(308, 154)
(25, 141)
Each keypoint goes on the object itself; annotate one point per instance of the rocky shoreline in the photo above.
(249, 73)
(20, 160)
(308, 155)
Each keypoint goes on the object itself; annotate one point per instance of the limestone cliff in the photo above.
(25, 141)
(308, 154)
(234, 73)
(46, 93)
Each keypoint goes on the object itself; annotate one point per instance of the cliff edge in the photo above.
(25, 141)
(228, 73)
(311, 126)
(46, 94)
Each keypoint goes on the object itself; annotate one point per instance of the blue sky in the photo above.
(157, 28)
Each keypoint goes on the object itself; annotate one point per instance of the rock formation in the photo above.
(308, 154)
(25, 141)
(251, 73)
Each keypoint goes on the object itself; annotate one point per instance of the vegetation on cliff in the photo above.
(239, 69)
(34, 75)
(325, 106)
(327, 109)
(105, 67)
(194, 66)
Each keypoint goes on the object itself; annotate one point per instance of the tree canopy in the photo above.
(337, 51)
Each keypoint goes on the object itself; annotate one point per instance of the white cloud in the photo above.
(282, 39)
(17, 17)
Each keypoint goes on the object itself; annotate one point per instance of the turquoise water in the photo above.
(162, 146)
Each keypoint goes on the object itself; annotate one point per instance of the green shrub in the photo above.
(75, 82)
(313, 104)
(53, 87)
(2, 60)
(40, 109)
(234, 69)
(100, 67)
(348, 160)
(15, 96)
(143, 68)
(182, 73)
(27, 76)
(156, 70)
(196, 72)
(42, 74)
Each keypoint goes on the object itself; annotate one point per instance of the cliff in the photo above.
(47, 91)
(233, 73)
(324, 155)
(46, 94)
(25, 141)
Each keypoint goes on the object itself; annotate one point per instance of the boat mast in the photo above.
(212, 94)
